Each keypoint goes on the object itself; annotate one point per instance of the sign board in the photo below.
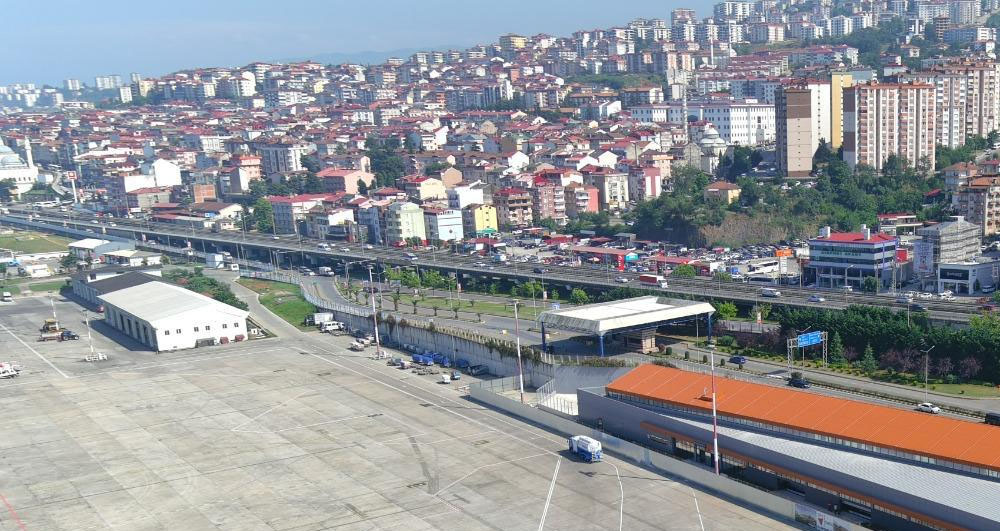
(923, 258)
(820, 520)
(812, 338)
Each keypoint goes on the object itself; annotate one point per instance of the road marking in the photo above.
(621, 507)
(13, 513)
(248, 421)
(697, 509)
(548, 498)
(35, 352)
(478, 468)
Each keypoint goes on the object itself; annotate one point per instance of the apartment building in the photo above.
(280, 156)
(745, 122)
(514, 207)
(612, 188)
(802, 120)
(883, 119)
(979, 203)
(479, 220)
(950, 92)
(345, 180)
(548, 201)
(403, 221)
(443, 225)
(581, 198)
(289, 212)
(982, 94)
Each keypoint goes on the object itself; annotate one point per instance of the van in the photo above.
(6, 297)
(993, 418)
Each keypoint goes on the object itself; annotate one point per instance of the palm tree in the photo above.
(455, 307)
(395, 302)
(414, 303)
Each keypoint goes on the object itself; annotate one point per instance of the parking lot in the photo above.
(293, 434)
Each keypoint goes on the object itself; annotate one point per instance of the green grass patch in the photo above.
(12, 288)
(54, 285)
(284, 300)
(445, 305)
(33, 242)
(978, 391)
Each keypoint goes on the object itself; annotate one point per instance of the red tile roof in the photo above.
(856, 237)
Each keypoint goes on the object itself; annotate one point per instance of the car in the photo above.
(904, 300)
(480, 264)
(927, 407)
(94, 221)
(847, 288)
(540, 270)
(816, 298)
(275, 238)
(68, 335)
(739, 360)
(345, 249)
(369, 246)
(917, 308)
(801, 383)
(622, 280)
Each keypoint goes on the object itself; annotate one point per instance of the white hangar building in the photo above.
(167, 317)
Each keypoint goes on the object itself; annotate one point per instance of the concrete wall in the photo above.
(759, 499)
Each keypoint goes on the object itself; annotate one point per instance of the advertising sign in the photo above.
(820, 520)
(923, 258)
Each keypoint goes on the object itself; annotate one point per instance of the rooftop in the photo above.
(855, 237)
(601, 318)
(158, 301)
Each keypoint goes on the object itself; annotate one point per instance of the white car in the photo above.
(927, 407)
(622, 280)
(369, 246)
(816, 298)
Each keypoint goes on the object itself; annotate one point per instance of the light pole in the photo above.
(371, 287)
(517, 340)
(926, 364)
(715, 419)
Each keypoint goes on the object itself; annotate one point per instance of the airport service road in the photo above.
(295, 434)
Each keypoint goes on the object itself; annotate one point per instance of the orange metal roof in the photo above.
(970, 443)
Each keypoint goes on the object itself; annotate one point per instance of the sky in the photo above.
(58, 39)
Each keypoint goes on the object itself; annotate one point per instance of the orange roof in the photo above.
(969, 443)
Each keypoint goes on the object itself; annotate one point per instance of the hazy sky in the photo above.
(56, 39)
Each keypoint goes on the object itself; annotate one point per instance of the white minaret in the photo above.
(28, 157)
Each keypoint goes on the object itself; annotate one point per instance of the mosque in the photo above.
(24, 173)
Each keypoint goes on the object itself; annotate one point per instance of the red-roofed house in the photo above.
(341, 180)
(423, 188)
(289, 211)
(847, 258)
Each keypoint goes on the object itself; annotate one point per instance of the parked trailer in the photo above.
(585, 447)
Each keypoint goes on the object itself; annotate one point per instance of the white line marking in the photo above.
(548, 498)
(322, 423)
(35, 352)
(255, 417)
(621, 508)
(478, 468)
(698, 509)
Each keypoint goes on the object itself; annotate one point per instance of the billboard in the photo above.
(923, 258)
(820, 520)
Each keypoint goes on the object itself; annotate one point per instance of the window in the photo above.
(166, 332)
(196, 329)
(178, 330)
(224, 325)
(207, 328)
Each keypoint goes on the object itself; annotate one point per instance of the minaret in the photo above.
(28, 157)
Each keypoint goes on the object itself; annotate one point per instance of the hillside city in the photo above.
(753, 247)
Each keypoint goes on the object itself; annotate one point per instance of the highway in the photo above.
(295, 249)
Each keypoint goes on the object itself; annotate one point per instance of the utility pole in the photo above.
(926, 366)
(371, 286)
(517, 339)
(715, 417)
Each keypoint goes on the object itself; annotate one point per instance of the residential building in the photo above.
(548, 201)
(898, 224)
(404, 220)
(796, 132)
(581, 198)
(479, 220)
(320, 220)
(981, 91)
(420, 188)
(281, 156)
(942, 244)
(290, 212)
(722, 191)
(883, 119)
(142, 199)
(847, 258)
(644, 183)
(979, 203)
(462, 196)
(744, 122)
(612, 188)
(443, 225)
(514, 207)
(345, 180)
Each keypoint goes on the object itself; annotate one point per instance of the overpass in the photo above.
(295, 250)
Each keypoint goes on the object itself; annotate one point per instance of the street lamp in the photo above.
(715, 419)
(517, 339)
(371, 286)
(926, 364)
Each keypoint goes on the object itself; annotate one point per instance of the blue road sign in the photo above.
(812, 338)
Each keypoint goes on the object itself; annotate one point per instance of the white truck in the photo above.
(324, 271)
(586, 448)
(215, 261)
(331, 326)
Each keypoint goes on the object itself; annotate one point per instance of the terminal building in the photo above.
(858, 464)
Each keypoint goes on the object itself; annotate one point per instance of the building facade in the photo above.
(883, 119)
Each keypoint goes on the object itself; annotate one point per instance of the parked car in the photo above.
(928, 407)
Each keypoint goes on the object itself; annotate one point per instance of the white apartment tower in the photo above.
(883, 119)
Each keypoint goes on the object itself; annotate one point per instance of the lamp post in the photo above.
(715, 420)
(371, 286)
(517, 340)
(926, 364)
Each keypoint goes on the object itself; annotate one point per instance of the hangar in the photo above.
(634, 320)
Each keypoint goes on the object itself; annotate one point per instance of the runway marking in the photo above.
(248, 421)
(697, 508)
(446, 439)
(621, 507)
(478, 468)
(35, 352)
(13, 513)
(548, 498)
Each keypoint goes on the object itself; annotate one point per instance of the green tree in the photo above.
(310, 163)
(263, 215)
(7, 188)
(578, 296)
(684, 271)
(312, 184)
(362, 187)
(725, 310)
(836, 350)
(68, 261)
(868, 363)
(870, 285)
(722, 276)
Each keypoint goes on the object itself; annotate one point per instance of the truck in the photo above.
(215, 261)
(324, 271)
(653, 280)
(500, 258)
(770, 292)
(319, 318)
(331, 326)
(586, 448)
(51, 331)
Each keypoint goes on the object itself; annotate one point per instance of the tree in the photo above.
(684, 271)
(455, 307)
(726, 310)
(722, 276)
(870, 285)
(836, 350)
(414, 303)
(263, 215)
(310, 163)
(312, 184)
(943, 367)
(868, 363)
(68, 261)
(578, 296)
(969, 367)
(395, 302)
(362, 187)
(7, 188)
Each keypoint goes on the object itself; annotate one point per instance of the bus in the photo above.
(763, 265)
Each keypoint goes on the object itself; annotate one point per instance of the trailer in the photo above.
(653, 280)
(586, 448)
